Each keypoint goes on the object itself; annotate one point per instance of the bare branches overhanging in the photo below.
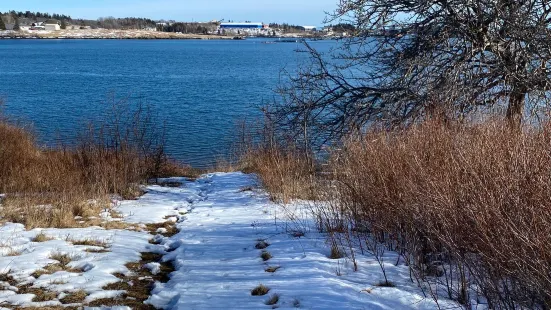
(411, 60)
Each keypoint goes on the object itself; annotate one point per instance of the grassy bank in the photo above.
(68, 186)
(468, 207)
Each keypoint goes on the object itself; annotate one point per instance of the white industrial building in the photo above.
(52, 25)
(243, 28)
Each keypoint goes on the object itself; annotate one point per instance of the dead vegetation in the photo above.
(49, 269)
(64, 186)
(266, 256)
(469, 198)
(287, 173)
(272, 269)
(77, 297)
(260, 290)
(137, 284)
(40, 295)
(465, 205)
(41, 237)
(63, 258)
(90, 242)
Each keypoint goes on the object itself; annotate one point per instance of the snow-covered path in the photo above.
(224, 224)
(217, 262)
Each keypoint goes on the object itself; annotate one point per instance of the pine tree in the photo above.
(2, 25)
(63, 24)
(16, 27)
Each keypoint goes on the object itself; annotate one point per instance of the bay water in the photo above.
(200, 89)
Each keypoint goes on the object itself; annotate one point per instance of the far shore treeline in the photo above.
(135, 23)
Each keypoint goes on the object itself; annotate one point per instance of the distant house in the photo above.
(52, 25)
(37, 26)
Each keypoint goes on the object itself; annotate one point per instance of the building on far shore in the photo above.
(310, 28)
(243, 28)
(52, 25)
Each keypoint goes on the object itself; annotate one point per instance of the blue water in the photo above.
(199, 89)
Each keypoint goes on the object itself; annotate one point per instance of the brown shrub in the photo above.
(475, 197)
(48, 187)
(286, 173)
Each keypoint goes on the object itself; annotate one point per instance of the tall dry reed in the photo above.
(50, 186)
(467, 205)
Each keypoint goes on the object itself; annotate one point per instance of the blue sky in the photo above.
(301, 12)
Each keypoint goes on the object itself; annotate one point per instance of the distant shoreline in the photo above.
(107, 38)
(104, 34)
(118, 35)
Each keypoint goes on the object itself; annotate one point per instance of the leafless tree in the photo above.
(413, 59)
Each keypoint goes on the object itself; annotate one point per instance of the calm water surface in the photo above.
(200, 89)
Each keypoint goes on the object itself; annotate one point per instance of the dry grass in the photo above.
(90, 242)
(385, 284)
(336, 252)
(75, 297)
(40, 295)
(62, 258)
(49, 187)
(260, 290)
(272, 269)
(41, 237)
(13, 252)
(97, 250)
(474, 198)
(266, 256)
(138, 284)
(6, 277)
(287, 173)
(169, 226)
(171, 168)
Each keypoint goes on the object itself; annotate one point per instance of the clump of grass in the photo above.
(49, 269)
(89, 242)
(6, 277)
(260, 290)
(169, 226)
(297, 233)
(118, 286)
(75, 297)
(42, 237)
(385, 284)
(137, 284)
(13, 252)
(274, 299)
(261, 245)
(63, 258)
(114, 225)
(40, 295)
(336, 252)
(266, 256)
(272, 269)
(97, 250)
